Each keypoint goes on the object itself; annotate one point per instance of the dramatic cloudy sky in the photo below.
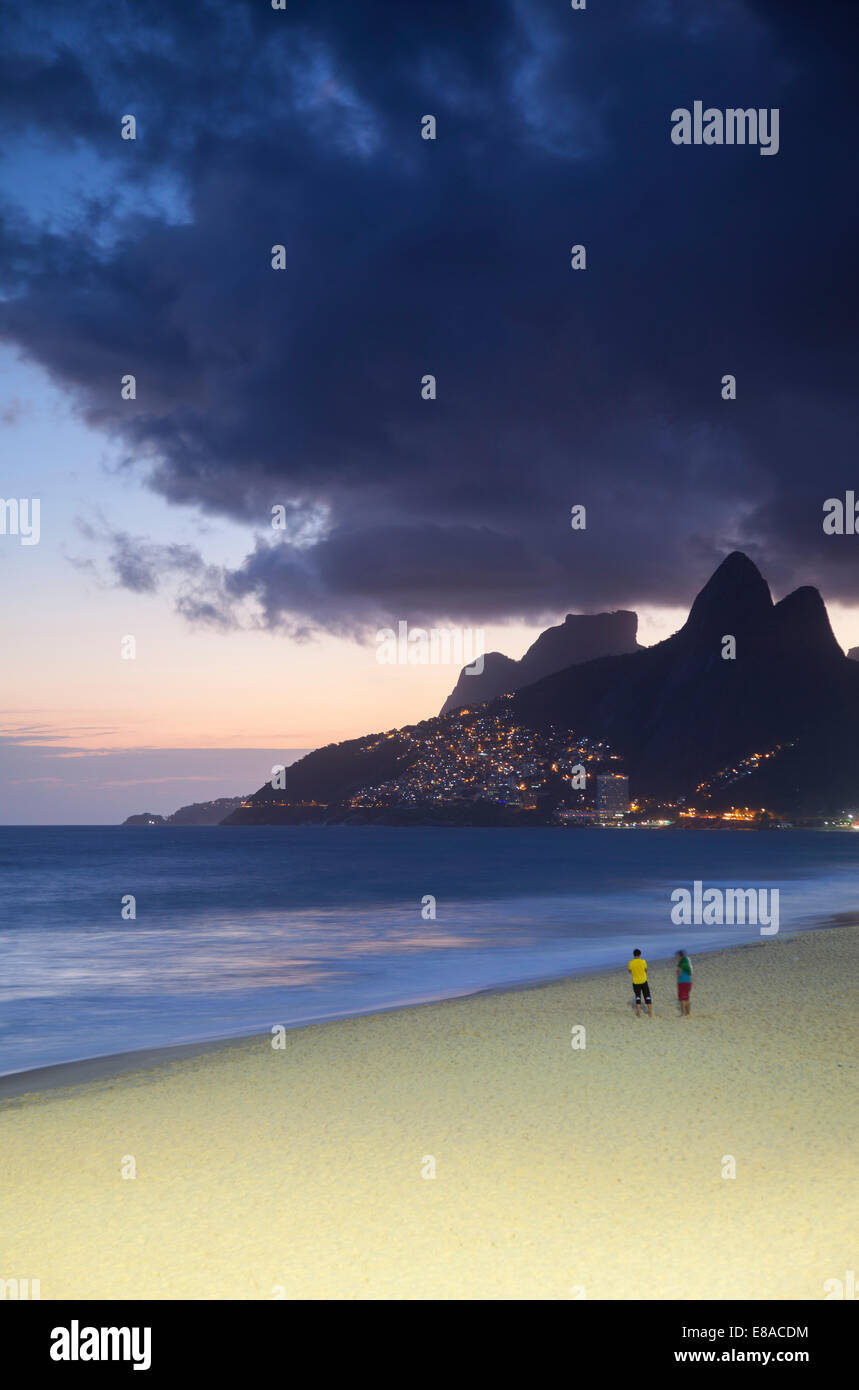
(301, 387)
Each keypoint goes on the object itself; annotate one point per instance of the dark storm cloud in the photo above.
(407, 257)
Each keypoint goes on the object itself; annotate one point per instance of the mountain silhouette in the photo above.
(580, 637)
(743, 676)
(680, 711)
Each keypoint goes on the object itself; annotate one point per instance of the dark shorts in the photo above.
(642, 991)
(683, 988)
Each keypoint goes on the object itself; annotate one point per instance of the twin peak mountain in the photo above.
(677, 713)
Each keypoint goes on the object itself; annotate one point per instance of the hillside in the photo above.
(675, 715)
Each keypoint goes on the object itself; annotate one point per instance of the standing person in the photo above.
(684, 982)
(638, 970)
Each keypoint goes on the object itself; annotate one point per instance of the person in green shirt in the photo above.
(684, 982)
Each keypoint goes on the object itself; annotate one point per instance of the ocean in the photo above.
(241, 930)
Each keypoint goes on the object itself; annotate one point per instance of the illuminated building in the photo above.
(612, 795)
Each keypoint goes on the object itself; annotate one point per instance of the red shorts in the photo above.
(683, 988)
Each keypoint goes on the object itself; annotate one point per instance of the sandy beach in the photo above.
(560, 1172)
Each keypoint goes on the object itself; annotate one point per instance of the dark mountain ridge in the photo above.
(580, 637)
(677, 712)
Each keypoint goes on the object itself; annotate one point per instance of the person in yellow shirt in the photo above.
(638, 970)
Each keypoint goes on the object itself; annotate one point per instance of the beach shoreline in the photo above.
(107, 1066)
(467, 1148)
